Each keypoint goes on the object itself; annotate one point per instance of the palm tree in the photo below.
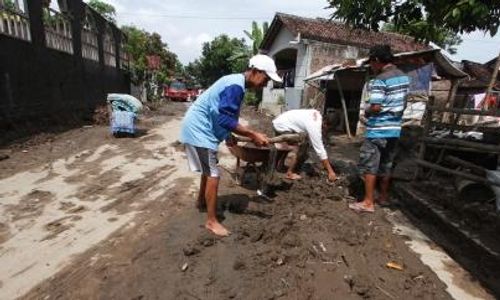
(256, 35)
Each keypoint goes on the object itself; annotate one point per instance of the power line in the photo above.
(195, 17)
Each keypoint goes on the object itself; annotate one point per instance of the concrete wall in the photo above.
(40, 87)
(323, 54)
(311, 56)
(271, 97)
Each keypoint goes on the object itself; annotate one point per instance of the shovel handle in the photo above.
(289, 137)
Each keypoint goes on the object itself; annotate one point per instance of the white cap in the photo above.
(264, 63)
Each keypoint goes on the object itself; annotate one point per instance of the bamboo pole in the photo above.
(344, 106)
(466, 164)
(493, 77)
(463, 111)
(427, 124)
(462, 143)
(429, 165)
(451, 99)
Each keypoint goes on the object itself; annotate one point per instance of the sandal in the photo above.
(360, 207)
(294, 177)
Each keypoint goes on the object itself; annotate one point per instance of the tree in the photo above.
(214, 62)
(424, 19)
(256, 35)
(139, 45)
(106, 10)
(10, 5)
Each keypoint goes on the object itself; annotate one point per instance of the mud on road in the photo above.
(303, 244)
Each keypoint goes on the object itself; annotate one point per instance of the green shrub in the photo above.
(251, 98)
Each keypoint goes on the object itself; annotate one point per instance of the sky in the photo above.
(186, 24)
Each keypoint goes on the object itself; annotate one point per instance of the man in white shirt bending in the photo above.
(310, 122)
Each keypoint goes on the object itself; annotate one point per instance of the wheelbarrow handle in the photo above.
(289, 137)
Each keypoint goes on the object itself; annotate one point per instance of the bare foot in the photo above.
(293, 176)
(217, 228)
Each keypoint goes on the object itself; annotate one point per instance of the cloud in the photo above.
(190, 46)
(185, 25)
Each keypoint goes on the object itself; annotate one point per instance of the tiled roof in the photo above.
(480, 74)
(334, 32)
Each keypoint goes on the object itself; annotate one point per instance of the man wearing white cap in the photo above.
(211, 119)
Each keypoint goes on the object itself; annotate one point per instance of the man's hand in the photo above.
(260, 139)
(373, 109)
(332, 176)
(231, 141)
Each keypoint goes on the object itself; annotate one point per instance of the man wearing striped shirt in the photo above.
(387, 100)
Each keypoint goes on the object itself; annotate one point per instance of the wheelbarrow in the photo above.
(261, 160)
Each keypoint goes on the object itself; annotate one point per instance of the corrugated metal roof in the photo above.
(447, 68)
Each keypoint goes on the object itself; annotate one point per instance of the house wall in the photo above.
(41, 87)
(281, 42)
(311, 56)
(323, 54)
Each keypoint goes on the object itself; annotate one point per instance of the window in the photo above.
(177, 85)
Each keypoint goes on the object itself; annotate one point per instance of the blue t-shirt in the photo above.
(389, 90)
(215, 113)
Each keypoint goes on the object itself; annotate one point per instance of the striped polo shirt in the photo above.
(389, 89)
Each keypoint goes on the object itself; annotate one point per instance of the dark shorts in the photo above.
(376, 156)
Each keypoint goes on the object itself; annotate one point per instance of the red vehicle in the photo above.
(177, 91)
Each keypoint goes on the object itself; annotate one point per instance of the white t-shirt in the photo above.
(303, 120)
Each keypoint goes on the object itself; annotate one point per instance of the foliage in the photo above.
(256, 35)
(214, 62)
(251, 98)
(9, 5)
(141, 44)
(424, 19)
(106, 10)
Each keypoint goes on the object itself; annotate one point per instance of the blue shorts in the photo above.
(376, 156)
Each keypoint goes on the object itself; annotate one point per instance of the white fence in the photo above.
(13, 21)
(90, 46)
(109, 49)
(57, 30)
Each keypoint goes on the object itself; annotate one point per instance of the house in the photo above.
(431, 72)
(302, 46)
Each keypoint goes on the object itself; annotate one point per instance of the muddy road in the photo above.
(87, 216)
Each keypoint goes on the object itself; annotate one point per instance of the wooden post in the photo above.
(450, 103)
(493, 77)
(344, 107)
(427, 124)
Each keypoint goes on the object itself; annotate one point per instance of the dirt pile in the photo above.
(306, 245)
